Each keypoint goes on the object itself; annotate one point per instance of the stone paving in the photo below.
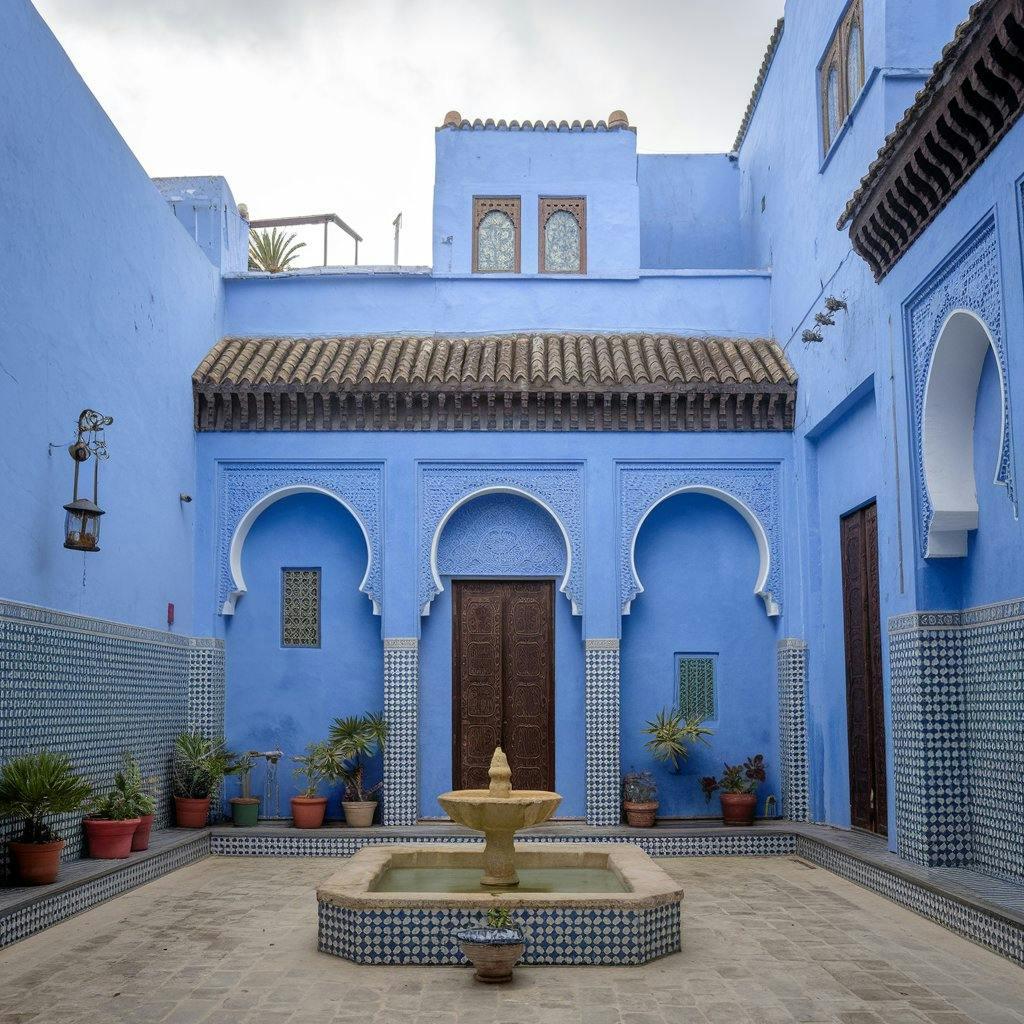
(232, 941)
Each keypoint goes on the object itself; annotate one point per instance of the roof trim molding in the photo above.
(759, 84)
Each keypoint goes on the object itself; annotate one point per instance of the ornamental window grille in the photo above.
(496, 224)
(697, 696)
(842, 73)
(562, 236)
(300, 607)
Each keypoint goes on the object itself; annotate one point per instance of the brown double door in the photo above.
(865, 706)
(503, 679)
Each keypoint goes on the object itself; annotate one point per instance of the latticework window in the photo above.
(300, 607)
(562, 235)
(496, 221)
(697, 686)
(842, 73)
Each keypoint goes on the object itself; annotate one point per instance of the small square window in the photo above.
(300, 607)
(562, 235)
(697, 690)
(496, 222)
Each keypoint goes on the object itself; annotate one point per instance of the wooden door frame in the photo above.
(551, 583)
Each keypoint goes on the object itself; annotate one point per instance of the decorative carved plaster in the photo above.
(556, 487)
(245, 489)
(968, 281)
(752, 488)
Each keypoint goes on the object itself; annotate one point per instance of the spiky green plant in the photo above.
(321, 762)
(272, 251)
(128, 798)
(36, 785)
(199, 765)
(672, 734)
(357, 738)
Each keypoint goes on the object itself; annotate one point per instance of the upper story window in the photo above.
(562, 236)
(842, 73)
(496, 221)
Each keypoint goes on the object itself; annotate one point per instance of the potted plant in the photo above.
(355, 739)
(672, 733)
(639, 799)
(110, 825)
(737, 790)
(320, 763)
(31, 787)
(245, 809)
(132, 790)
(495, 950)
(198, 768)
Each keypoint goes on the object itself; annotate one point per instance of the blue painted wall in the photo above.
(286, 697)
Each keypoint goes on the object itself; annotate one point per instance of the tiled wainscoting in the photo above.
(94, 689)
(792, 670)
(958, 730)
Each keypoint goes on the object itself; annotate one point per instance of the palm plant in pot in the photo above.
(114, 821)
(737, 790)
(356, 739)
(639, 799)
(245, 809)
(198, 768)
(33, 787)
(321, 763)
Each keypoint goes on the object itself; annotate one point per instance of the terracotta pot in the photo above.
(738, 808)
(640, 815)
(492, 951)
(110, 840)
(140, 841)
(308, 811)
(191, 813)
(245, 811)
(359, 813)
(36, 863)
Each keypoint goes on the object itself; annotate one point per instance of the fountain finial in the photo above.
(500, 774)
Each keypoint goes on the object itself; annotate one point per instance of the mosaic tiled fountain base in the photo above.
(629, 927)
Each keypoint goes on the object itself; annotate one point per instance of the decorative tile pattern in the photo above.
(755, 485)
(93, 689)
(969, 279)
(300, 607)
(558, 486)
(553, 935)
(401, 699)
(242, 486)
(697, 698)
(602, 731)
(793, 728)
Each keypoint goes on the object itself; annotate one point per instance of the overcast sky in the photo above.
(310, 106)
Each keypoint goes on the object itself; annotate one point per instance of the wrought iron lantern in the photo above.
(82, 522)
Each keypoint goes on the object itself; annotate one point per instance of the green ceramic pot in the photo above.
(245, 811)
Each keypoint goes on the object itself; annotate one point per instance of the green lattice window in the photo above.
(697, 686)
(300, 607)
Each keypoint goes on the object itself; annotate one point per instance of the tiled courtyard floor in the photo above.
(233, 940)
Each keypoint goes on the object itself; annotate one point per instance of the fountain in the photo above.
(499, 812)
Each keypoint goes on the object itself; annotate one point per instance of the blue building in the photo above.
(732, 430)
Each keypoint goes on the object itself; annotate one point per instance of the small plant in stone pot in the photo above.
(33, 787)
(198, 768)
(737, 790)
(114, 821)
(245, 809)
(495, 950)
(320, 764)
(639, 799)
(356, 739)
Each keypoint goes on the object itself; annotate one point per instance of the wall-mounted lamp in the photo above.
(82, 522)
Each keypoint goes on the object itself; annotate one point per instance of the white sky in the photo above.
(313, 106)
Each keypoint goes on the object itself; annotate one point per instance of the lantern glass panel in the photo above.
(82, 529)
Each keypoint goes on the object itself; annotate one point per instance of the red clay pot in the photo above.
(738, 808)
(191, 813)
(640, 815)
(140, 841)
(308, 811)
(110, 840)
(36, 863)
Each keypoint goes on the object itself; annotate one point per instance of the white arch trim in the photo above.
(435, 542)
(763, 549)
(250, 517)
(947, 430)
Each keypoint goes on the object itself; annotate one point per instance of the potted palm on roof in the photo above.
(32, 787)
(356, 739)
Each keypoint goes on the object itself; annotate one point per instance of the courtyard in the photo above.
(232, 940)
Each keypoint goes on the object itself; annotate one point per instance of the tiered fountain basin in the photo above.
(625, 910)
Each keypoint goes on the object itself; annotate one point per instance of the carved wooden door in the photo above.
(503, 681)
(865, 707)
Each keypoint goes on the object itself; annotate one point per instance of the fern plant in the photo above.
(272, 251)
(34, 786)
(672, 734)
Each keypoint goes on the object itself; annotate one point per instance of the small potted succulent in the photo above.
(672, 734)
(245, 809)
(737, 790)
(355, 739)
(320, 763)
(639, 799)
(110, 825)
(33, 787)
(198, 768)
(495, 950)
(132, 791)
